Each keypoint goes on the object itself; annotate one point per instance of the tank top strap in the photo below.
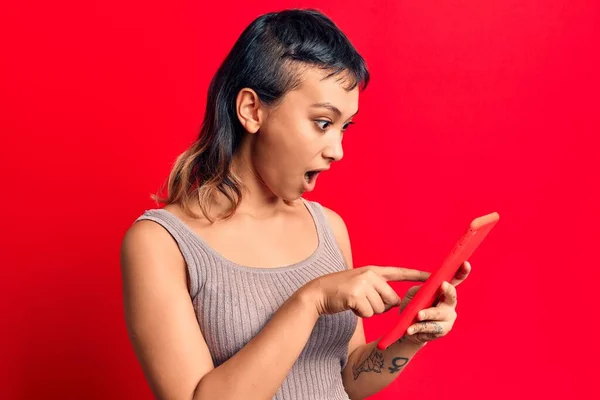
(325, 231)
(186, 243)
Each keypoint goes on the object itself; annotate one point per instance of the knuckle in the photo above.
(440, 330)
(350, 302)
(369, 273)
(367, 313)
(394, 299)
(354, 294)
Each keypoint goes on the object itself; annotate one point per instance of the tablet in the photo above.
(428, 293)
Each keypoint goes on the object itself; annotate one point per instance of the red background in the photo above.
(474, 107)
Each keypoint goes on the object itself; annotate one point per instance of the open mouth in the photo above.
(310, 176)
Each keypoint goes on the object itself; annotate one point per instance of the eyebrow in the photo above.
(331, 107)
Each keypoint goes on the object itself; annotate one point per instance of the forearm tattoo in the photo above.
(375, 363)
(397, 363)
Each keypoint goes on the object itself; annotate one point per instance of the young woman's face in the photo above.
(303, 134)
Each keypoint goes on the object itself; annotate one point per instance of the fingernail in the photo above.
(421, 315)
(410, 331)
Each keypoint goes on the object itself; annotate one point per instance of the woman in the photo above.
(239, 288)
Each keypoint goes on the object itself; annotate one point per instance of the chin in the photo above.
(290, 195)
(286, 189)
(291, 198)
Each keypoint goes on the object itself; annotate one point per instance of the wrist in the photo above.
(306, 299)
(411, 341)
(406, 343)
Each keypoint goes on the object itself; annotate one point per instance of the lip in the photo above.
(319, 169)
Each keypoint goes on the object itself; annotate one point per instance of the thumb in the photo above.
(412, 291)
(389, 306)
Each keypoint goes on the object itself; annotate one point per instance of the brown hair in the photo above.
(260, 59)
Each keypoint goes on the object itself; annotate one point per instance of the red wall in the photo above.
(474, 107)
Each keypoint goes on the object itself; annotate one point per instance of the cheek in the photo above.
(270, 158)
(284, 147)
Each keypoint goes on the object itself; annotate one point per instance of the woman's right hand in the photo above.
(363, 290)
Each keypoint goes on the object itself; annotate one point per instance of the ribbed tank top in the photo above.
(233, 303)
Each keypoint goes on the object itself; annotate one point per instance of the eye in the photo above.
(324, 124)
(347, 125)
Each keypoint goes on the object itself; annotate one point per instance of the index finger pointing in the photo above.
(402, 274)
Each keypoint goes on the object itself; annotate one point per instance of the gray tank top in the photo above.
(234, 302)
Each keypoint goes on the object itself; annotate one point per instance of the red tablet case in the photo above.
(427, 294)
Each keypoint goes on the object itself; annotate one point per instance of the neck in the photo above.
(257, 199)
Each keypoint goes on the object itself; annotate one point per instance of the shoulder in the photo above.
(142, 233)
(146, 245)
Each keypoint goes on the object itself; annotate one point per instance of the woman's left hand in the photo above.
(438, 320)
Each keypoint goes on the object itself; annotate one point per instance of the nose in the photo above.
(334, 150)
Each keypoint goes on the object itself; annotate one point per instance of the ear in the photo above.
(249, 110)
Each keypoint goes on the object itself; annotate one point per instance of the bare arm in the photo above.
(368, 370)
(169, 343)
(259, 368)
